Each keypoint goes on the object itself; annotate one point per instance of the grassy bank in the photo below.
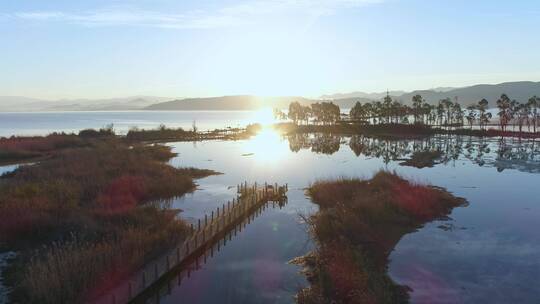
(21, 149)
(356, 228)
(164, 133)
(80, 219)
(17, 149)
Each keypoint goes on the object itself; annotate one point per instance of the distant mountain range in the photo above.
(373, 96)
(19, 104)
(233, 103)
(520, 91)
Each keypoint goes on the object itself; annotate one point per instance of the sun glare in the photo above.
(266, 147)
(264, 116)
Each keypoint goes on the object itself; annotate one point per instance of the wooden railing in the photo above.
(205, 233)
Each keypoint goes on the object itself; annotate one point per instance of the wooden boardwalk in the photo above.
(206, 233)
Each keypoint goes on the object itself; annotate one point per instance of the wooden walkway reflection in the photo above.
(209, 234)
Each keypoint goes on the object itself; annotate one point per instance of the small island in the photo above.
(356, 228)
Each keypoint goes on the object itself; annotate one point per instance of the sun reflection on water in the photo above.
(267, 147)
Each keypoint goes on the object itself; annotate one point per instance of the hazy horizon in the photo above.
(128, 96)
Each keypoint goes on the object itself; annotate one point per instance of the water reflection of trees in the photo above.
(318, 142)
(505, 153)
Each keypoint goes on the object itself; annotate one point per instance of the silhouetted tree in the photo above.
(447, 104)
(505, 113)
(457, 114)
(471, 115)
(440, 112)
(368, 109)
(358, 112)
(325, 112)
(522, 112)
(483, 115)
(534, 105)
(386, 110)
(279, 115)
(297, 112)
(427, 111)
(417, 102)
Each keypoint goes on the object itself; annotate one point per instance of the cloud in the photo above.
(234, 15)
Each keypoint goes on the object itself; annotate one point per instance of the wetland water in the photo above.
(487, 252)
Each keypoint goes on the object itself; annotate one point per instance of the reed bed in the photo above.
(357, 226)
(82, 219)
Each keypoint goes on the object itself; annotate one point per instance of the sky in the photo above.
(195, 48)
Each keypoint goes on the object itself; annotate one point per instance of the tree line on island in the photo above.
(446, 113)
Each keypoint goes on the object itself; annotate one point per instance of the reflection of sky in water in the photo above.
(489, 255)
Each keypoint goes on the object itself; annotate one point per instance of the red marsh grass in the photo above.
(80, 221)
(358, 225)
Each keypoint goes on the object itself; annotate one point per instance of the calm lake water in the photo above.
(42, 123)
(488, 252)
